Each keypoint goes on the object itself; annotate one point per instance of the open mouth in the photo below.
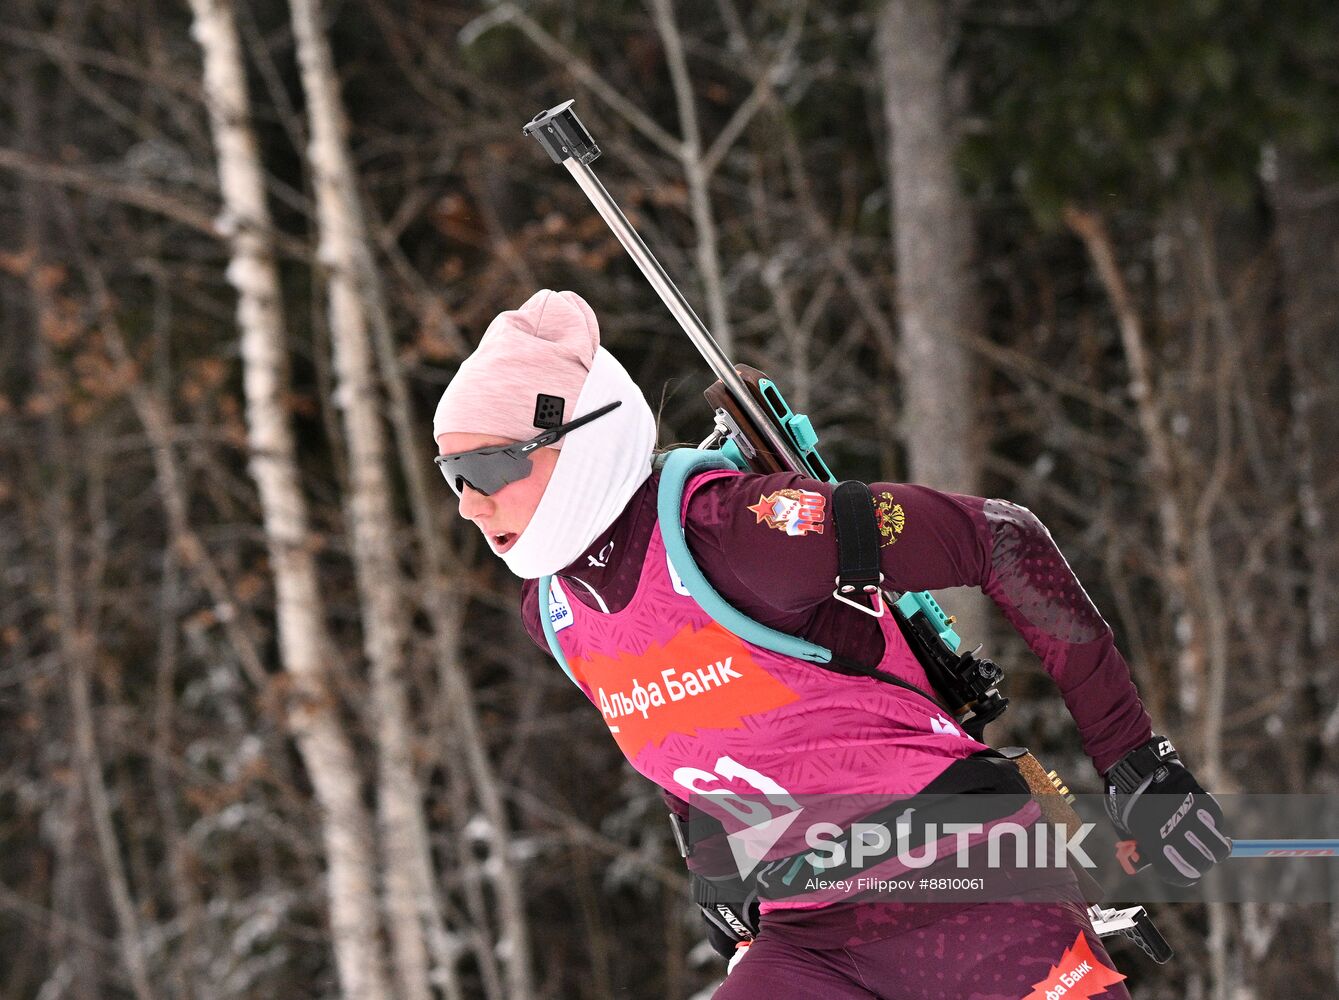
(502, 540)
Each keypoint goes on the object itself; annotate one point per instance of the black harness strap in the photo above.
(857, 537)
(858, 575)
(841, 665)
(977, 789)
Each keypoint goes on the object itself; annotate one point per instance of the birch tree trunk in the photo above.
(937, 299)
(303, 639)
(347, 257)
(357, 309)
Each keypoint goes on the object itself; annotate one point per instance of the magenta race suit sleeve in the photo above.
(767, 543)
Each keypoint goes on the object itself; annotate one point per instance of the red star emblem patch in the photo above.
(796, 512)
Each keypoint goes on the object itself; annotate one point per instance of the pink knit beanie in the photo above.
(529, 366)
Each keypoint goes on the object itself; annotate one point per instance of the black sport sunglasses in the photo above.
(487, 470)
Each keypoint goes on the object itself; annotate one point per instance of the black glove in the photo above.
(730, 922)
(729, 905)
(1153, 799)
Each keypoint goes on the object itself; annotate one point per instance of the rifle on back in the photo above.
(756, 429)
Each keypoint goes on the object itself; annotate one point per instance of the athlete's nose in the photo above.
(474, 505)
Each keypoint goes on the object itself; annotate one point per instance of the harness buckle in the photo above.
(875, 608)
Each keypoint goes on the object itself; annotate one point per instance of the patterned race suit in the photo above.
(698, 710)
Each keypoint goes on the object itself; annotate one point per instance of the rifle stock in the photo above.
(756, 449)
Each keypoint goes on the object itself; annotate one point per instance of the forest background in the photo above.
(269, 724)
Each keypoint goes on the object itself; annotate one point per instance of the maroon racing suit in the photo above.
(768, 546)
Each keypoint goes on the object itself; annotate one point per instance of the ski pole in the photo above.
(1134, 922)
(1285, 849)
(1127, 851)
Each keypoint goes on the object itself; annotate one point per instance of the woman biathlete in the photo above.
(550, 445)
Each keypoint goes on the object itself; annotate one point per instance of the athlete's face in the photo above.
(503, 515)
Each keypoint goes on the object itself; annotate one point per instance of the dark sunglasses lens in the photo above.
(485, 473)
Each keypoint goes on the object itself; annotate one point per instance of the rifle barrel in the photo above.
(568, 142)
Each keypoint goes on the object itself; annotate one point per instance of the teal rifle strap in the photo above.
(676, 470)
(679, 467)
(546, 620)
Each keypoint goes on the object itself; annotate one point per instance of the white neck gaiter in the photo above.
(599, 467)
